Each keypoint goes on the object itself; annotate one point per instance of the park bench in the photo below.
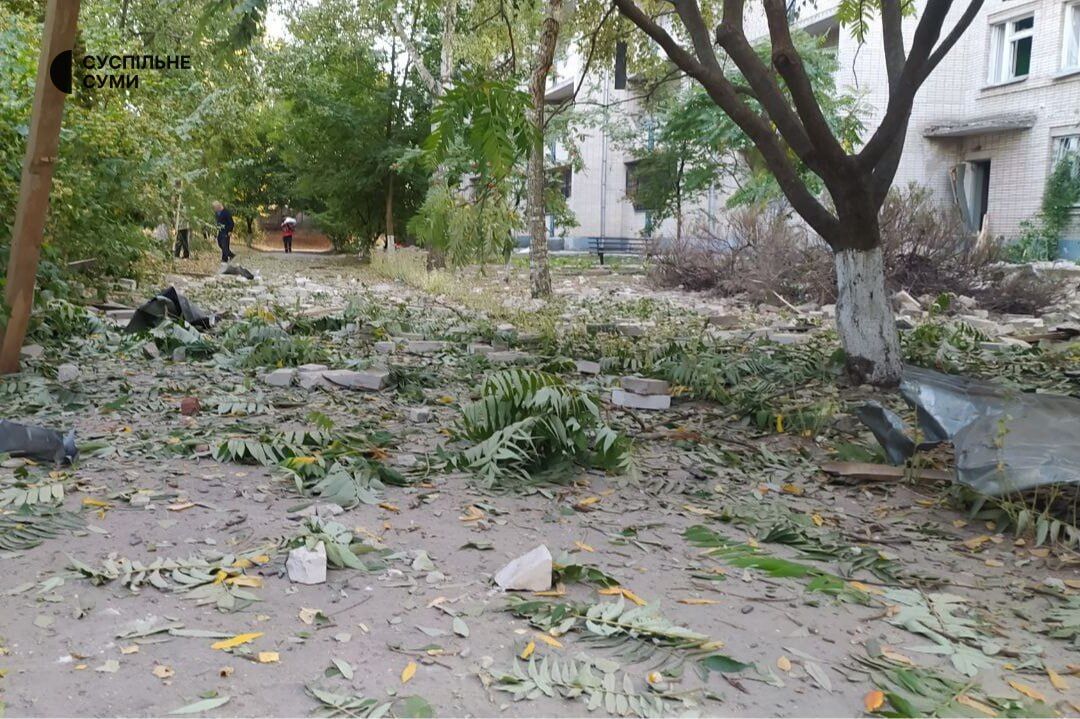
(642, 246)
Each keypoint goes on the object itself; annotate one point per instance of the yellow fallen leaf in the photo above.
(162, 672)
(445, 399)
(976, 542)
(1057, 680)
(959, 523)
(181, 506)
(243, 563)
(307, 615)
(1027, 691)
(588, 501)
(408, 672)
(994, 563)
(694, 601)
(236, 641)
(472, 514)
(751, 542)
(221, 575)
(1041, 552)
(267, 657)
(817, 519)
(874, 700)
(558, 591)
(700, 511)
(528, 650)
(783, 663)
(245, 581)
(131, 649)
(712, 646)
(89, 502)
(389, 507)
(261, 558)
(855, 584)
(976, 705)
(654, 677)
(550, 641)
(624, 592)
(80, 667)
(584, 547)
(790, 488)
(779, 423)
(896, 656)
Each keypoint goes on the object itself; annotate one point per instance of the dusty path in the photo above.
(76, 648)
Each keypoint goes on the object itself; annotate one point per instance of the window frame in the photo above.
(633, 182)
(1002, 51)
(1070, 17)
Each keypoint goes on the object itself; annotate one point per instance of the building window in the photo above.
(633, 182)
(1070, 48)
(1067, 148)
(1010, 49)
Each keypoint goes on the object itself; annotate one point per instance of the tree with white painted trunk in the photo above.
(539, 274)
(777, 109)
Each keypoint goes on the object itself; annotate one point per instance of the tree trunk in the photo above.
(864, 318)
(539, 274)
(390, 212)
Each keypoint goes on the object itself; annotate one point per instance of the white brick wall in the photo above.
(956, 91)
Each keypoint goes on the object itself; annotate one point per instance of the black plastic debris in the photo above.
(1006, 441)
(168, 304)
(40, 443)
(238, 270)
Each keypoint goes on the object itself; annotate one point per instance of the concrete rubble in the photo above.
(531, 572)
(642, 393)
(307, 566)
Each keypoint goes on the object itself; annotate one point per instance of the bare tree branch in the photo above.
(415, 57)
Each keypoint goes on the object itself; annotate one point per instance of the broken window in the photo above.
(633, 184)
(1070, 48)
(561, 178)
(1010, 49)
(1067, 148)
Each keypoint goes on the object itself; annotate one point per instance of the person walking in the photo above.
(181, 225)
(225, 227)
(288, 226)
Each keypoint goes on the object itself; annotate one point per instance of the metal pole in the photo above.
(61, 17)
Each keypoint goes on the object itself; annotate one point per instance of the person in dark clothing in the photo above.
(225, 227)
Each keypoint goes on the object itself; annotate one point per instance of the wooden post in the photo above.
(61, 17)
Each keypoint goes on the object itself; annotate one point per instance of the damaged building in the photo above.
(987, 128)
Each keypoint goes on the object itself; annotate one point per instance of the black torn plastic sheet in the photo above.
(168, 303)
(1006, 441)
(40, 443)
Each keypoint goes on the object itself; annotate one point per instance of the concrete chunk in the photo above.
(644, 385)
(311, 380)
(66, 373)
(587, 366)
(280, 377)
(307, 566)
(151, 350)
(369, 379)
(32, 352)
(623, 398)
(480, 348)
(905, 303)
(385, 347)
(529, 572)
(425, 347)
(507, 357)
(627, 329)
(312, 368)
(725, 322)
(419, 414)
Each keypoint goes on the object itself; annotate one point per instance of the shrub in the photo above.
(925, 247)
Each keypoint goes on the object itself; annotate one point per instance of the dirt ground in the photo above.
(152, 489)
